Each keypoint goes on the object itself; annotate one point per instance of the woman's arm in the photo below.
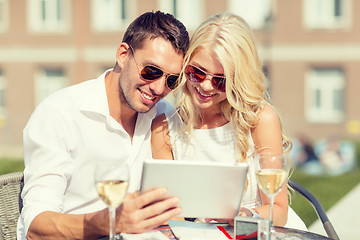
(160, 139)
(161, 143)
(268, 135)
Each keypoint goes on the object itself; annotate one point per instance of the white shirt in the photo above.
(65, 135)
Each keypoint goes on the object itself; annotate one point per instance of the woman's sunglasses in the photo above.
(150, 73)
(195, 74)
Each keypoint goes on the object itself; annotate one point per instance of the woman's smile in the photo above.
(203, 96)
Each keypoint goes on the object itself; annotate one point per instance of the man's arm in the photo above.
(53, 225)
(138, 213)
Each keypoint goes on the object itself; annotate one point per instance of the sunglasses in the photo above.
(151, 73)
(195, 74)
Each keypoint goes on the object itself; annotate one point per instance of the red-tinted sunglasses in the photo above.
(195, 74)
(151, 73)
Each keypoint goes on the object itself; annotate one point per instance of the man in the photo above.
(105, 118)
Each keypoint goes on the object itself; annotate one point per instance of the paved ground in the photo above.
(344, 216)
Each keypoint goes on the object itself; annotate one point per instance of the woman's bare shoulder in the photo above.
(268, 114)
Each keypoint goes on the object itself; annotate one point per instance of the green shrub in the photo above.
(327, 189)
(11, 165)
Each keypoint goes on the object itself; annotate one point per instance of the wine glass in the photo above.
(112, 181)
(271, 174)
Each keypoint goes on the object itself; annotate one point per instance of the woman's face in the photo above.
(203, 94)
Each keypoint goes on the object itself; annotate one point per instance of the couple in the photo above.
(110, 118)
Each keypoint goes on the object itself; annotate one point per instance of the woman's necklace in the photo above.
(215, 121)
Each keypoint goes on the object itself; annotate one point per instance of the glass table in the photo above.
(229, 232)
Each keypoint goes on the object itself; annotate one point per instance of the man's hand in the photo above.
(142, 212)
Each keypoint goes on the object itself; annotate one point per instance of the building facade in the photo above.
(310, 50)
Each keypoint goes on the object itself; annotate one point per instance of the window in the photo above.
(47, 81)
(2, 95)
(48, 15)
(256, 13)
(326, 14)
(111, 15)
(3, 15)
(189, 12)
(324, 95)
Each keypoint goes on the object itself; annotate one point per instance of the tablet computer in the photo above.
(205, 189)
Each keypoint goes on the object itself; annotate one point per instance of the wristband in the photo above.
(254, 214)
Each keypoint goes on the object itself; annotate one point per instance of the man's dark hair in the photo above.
(151, 25)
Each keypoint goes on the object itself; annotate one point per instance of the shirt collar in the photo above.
(94, 99)
(97, 101)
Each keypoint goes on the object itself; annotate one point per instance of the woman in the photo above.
(223, 114)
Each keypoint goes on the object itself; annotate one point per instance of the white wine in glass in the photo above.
(112, 192)
(271, 174)
(112, 181)
(271, 180)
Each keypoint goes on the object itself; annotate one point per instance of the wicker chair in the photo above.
(11, 185)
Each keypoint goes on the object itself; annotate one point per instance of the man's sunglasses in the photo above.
(195, 74)
(151, 73)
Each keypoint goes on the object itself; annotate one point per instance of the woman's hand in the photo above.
(244, 212)
(218, 220)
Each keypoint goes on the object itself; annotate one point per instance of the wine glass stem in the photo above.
(271, 211)
(112, 215)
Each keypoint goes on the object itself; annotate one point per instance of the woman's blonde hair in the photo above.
(232, 40)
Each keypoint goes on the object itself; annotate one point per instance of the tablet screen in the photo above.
(205, 189)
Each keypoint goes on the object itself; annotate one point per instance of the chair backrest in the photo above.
(329, 229)
(11, 185)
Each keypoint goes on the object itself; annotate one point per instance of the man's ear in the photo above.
(121, 54)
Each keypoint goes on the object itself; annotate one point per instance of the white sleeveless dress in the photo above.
(215, 145)
(218, 145)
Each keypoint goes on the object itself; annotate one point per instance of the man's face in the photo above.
(140, 94)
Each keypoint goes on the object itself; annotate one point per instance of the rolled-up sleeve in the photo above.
(48, 162)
